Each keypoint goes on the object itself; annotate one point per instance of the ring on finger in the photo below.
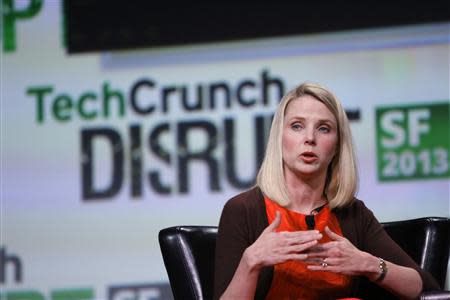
(324, 264)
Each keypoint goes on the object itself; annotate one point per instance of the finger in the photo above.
(324, 264)
(303, 235)
(329, 245)
(331, 261)
(321, 268)
(316, 260)
(316, 249)
(318, 255)
(332, 235)
(295, 256)
(300, 248)
(313, 260)
(326, 250)
(287, 257)
(275, 223)
(325, 246)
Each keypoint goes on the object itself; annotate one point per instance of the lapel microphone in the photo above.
(310, 222)
(309, 219)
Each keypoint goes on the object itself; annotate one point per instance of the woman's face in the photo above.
(309, 138)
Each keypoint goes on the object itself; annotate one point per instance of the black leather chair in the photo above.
(188, 253)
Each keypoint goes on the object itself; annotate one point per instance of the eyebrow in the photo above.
(318, 121)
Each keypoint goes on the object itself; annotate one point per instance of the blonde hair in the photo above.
(342, 176)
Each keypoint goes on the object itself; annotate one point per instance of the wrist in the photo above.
(382, 269)
(251, 260)
(377, 269)
(371, 267)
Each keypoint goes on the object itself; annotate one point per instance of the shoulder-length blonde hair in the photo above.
(342, 177)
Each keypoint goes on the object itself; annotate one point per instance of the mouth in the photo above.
(308, 156)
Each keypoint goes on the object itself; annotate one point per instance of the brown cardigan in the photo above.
(244, 218)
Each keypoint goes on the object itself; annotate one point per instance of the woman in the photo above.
(321, 243)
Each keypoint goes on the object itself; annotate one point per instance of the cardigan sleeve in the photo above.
(242, 221)
(376, 241)
(231, 243)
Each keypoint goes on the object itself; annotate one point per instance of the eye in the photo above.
(324, 129)
(296, 126)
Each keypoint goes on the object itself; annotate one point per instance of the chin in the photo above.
(310, 171)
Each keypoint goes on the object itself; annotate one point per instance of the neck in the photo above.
(305, 194)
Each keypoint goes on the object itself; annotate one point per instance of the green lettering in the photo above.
(24, 295)
(78, 294)
(61, 107)
(107, 96)
(88, 115)
(39, 92)
(10, 14)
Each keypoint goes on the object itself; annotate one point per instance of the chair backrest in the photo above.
(188, 252)
(426, 240)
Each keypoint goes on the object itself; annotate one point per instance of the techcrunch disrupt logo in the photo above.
(162, 154)
(146, 97)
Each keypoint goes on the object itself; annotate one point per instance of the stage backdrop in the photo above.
(100, 151)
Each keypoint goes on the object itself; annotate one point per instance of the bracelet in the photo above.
(383, 268)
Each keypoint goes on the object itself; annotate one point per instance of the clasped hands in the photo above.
(338, 255)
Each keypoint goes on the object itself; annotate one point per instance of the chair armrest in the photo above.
(435, 295)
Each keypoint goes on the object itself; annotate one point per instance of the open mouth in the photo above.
(308, 156)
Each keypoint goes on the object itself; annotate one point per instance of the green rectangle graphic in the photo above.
(413, 141)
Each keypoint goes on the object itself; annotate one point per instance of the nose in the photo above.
(310, 137)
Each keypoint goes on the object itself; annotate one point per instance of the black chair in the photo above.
(188, 253)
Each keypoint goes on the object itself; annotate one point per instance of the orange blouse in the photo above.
(291, 279)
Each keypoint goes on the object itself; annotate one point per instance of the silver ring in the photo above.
(324, 264)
